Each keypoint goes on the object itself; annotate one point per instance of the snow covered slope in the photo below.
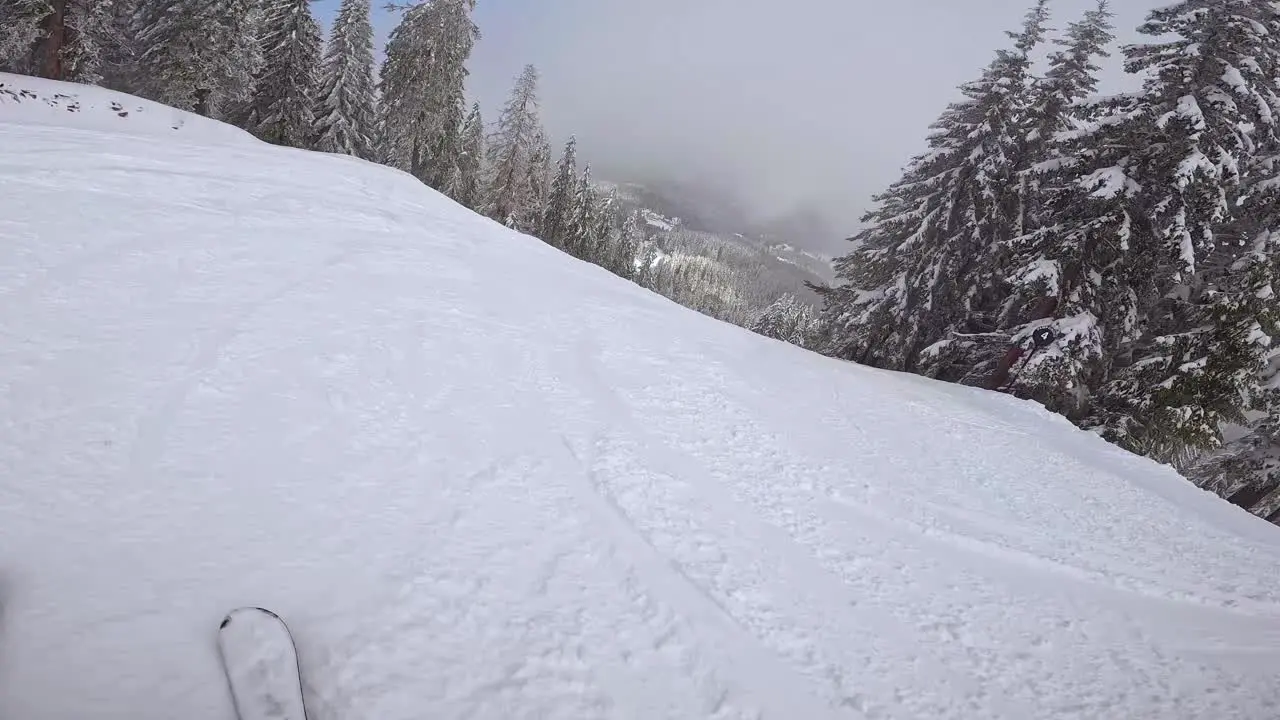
(481, 479)
(35, 102)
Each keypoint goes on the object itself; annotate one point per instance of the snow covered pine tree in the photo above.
(345, 104)
(57, 39)
(559, 213)
(1173, 265)
(539, 182)
(285, 88)
(630, 241)
(195, 55)
(467, 184)
(512, 146)
(1246, 468)
(788, 320)
(422, 85)
(924, 285)
(582, 240)
(1047, 300)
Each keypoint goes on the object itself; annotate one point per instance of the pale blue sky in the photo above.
(785, 102)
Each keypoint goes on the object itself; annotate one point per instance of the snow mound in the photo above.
(33, 101)
(481, 479)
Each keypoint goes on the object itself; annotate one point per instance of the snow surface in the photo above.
(481, 479)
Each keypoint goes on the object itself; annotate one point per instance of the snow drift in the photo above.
(482, 479)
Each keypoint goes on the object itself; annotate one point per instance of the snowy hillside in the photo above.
(483, 480)
(23, 100)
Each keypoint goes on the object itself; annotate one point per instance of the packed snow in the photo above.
(481, 479)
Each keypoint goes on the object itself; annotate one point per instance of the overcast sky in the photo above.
(816, 102)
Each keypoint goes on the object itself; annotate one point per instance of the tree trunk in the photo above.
(203, 102)
(50, 61)
(1249, 496)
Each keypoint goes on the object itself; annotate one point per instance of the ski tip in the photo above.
(247, 609)
(264, 610)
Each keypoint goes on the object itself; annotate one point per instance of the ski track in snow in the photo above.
(482, 480)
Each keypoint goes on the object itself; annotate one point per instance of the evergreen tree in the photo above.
(511, 154)
(467, 183)
(582, 240)
(560, 210)
(20, 28)
(788, 320)
(196, 55)
(345, 107)
(1247, 469)
(539, 183)
(121, 54)
(92, 38)
(422, 84)
(57, 39)
(285, 87)
(648, 266)
(442, 171)
(242, 109)
(1071, 78)
(1152, 207)
(627, 250)
(1042, 258)
(608, 229)
(929, 267)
